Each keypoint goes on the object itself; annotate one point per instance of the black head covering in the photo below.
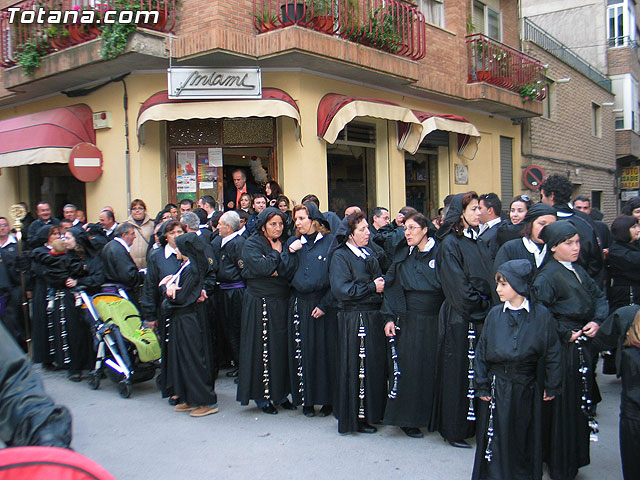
(453, 215)
(315, 214)
(192, 247)
(43, 234)
(519, 274)
(631, 205)
(262, 217)
(95, 237)
(538, 210)
(162, 233)
(557, 232)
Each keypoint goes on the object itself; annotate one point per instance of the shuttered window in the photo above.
(506, 169)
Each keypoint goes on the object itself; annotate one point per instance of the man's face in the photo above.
(200, 203)
(548, 199)
(184, 208)
(69, 213)
(129, 237)
(224, 229)
(485, 214)
(239, 180)
(382, 220)
(4, 228)
(105, 221)
(43, 211)
(259, 204)
(582, 206)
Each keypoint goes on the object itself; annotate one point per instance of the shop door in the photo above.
(421, 180)
(53, 183)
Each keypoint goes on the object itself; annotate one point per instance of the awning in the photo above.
(468, 135)
(335, 111)
(274, 103)
(45, 137)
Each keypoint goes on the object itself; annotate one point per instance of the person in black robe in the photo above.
(119, 267)
(510, 228)
(623, 329)
(162, 262)
(624, 263)
(357, 284)
(412, 300)
(529, 246)
(264, 363)
(518, 335)
(464, 271)
(312, 322)
(578, 306)
(189, 363)
(11, 266)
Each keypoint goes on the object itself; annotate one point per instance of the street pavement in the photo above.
(142, 438)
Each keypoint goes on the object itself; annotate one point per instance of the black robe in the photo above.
(264, 369)
(120, 268)
(464, 270)
(510, 347)
(515, 250)
(12, 318)
(573, 304)
(412, 299)
(360, 327)
(590, 252)
(624, 271)
(312, 341)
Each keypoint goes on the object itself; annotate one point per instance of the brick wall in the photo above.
(623, 60)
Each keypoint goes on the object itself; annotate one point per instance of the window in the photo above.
(596, 199)
(548, 104)
(615, 23)
(506, 167)
(487, 19)
(595, 110)
(619, 120)
(433, 11)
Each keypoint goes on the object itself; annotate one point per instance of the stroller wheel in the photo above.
(94, 380)
(124, 389)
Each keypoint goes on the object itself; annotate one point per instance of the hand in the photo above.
(390, 329)
(203, 296)
(293, 202)
(486, 399)
(317, 313)
(151, 325)
(70, 283)
(399, 219)
(165, 280)
(575, 335)
(590, 329)
(28, 294)
(547, 399)
(172, 289)
(276, 245)
(231, 205)
(295, 246)
(379, 284)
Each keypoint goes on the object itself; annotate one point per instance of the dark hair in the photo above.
(377, 212)
(259, 195)
(582, 198)
(243, 215)
(276, 191)
(244, 174)
(66, 220)
(109, 214)
(499, 277)
(122, 229)
(631, 205)
(353, 220)
(186, 201)
(620, 228)
(158, 220)
(43, 203)
(458, 227)
(559, 186)
(215, 218)
(169, 206)
(311, 198)
(407, 210)
(171, 224)
(491, 200)
(208, 199)
(419, 218)
(202, 215)
(522, 198)
(138, 202)
(283, 198)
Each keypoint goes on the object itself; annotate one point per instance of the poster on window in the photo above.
(207, 174)
(186, 171)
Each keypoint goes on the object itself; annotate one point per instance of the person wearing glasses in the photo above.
(143, 227)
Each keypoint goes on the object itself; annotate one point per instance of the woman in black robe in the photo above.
(624, 263)
(189, 363)
(511, 228)
(529, 246)
(412, 300)
(357, 284)
(264, 363)
(312, 323)
(578, 306)
(163, 261)
(464, 268)
(518, 335)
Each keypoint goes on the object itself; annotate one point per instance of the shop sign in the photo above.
(461, 174)
(214, 83)
(629, 178)
(628, 195)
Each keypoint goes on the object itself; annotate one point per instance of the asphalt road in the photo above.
(142, 438)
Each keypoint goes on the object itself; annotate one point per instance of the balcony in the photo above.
(497, 64)
(388, 25)
(34, 28)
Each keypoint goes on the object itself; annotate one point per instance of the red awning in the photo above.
(335, 111)
(45, 137)
(274, 103)
(468, 135)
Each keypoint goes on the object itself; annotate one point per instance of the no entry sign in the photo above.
(533, 177)
(85, 162)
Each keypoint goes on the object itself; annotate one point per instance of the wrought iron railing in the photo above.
(555, 47)
(389, 25)
(35, 22)
(495, 63)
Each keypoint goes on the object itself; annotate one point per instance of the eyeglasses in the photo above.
(411, 229)
(138, 208)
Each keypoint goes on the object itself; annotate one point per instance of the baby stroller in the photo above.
(123, 344)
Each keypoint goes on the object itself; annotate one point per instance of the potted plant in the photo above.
(265, 22)
(321, 12)
(292, 12)
(483, 70)
(531, 91)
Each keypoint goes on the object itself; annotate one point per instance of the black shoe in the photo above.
(287, 405)
(232, 373)
(174, 400)
(412, 432)
(74, 376)
(325, 411)
(308, 411)
(459, 444)
(366, 428)
(270, 409)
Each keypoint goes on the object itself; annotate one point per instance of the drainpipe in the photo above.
(127, 156)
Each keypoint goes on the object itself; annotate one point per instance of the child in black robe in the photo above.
(518, 336)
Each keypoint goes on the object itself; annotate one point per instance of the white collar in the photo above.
(304, 240)
(199, 232)
(564, 214)
(525, 305)
(211, 214)
(242, 230)
(427, 248)
(357, 251)
(169, 250)
(230, 237)
(486, 226)
(113, 227)
(175, 279)
(470, 233)
(204, 225)
(123, 243)
(532, 247)
(10, 239)
(75, 222)
(567, 265)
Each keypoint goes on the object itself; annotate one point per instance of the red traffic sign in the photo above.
(533, 177)
(85, 162)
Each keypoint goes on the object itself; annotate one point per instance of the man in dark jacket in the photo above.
(119, 266)
(43, 210)
(240, 186)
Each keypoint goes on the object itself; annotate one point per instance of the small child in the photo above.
(58, 267)
(517, 337)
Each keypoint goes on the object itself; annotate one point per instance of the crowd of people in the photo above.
(472, 323)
